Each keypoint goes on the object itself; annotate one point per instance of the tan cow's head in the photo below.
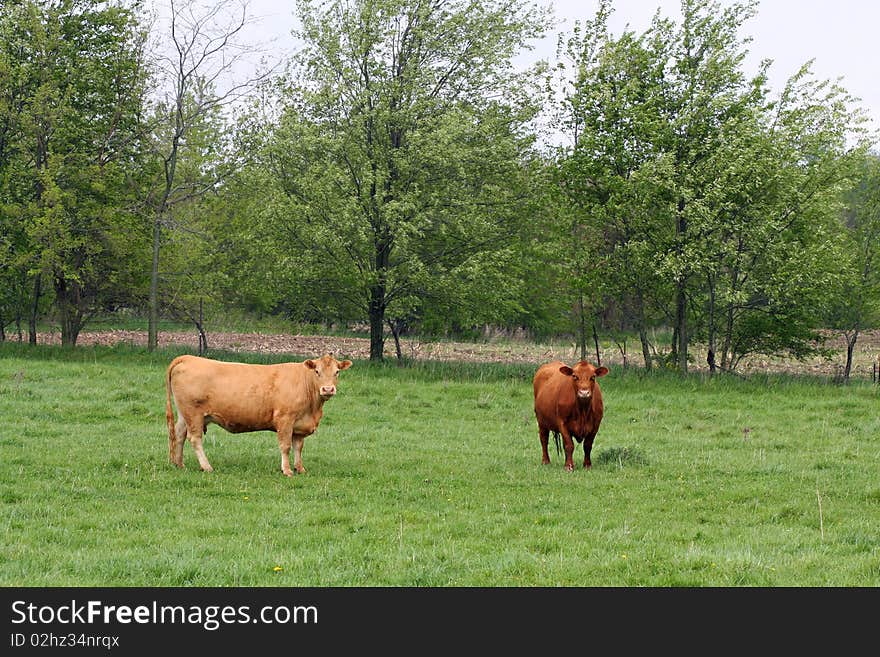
(583, 377)
(326, 369)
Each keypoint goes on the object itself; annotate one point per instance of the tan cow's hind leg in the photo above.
(175, 447)
(194, 430)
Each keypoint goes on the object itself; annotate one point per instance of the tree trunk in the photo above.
(850, 348)
(582, 329)
(674, 353)
(153, 321)
(32, 320)
(200, 326)
(596, 342)
(68, 300)
(726, 356)
(681, 299)
(710, 359)
(646, 347)
(377, 322)
(643, 334)
(395, 331)
(681, 325)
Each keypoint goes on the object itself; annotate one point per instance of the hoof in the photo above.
(569, 467)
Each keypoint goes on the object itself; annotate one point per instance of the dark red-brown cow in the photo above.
(568, 401)
(287, 398)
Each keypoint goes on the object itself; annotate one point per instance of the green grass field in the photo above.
(430, 475)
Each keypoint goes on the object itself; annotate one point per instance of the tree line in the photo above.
(400, 171)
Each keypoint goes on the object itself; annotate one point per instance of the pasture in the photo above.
(430, 475)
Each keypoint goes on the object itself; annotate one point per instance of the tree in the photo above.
(857, 304)
(716, 204)
(775, 205)
(78, 98)
(402, 158)
(200, 79)
(616, 174)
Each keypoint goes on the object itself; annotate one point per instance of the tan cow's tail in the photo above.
(169, 414)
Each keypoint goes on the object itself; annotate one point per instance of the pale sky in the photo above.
(841, 35)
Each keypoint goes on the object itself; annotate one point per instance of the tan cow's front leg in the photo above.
(297, 454)
(284, 435)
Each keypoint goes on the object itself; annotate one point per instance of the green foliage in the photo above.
(714, 206)
(857, 302)
(70, 113)
(400, 172)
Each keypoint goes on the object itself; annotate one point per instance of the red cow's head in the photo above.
(583, 377)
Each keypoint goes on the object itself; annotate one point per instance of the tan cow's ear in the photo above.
(344, 365)
(565, 369)
(601, 371)
(310, 364)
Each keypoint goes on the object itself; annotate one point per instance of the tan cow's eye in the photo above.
(575, 377)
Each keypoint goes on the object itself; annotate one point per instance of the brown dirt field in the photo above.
(501, 350)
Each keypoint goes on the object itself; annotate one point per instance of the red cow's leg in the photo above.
(568, 446)
(544, 435)
(588, 446)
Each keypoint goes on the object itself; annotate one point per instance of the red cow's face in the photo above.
(583, 377)
(327, 370)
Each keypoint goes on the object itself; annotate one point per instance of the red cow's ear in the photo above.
(344, 365)
(310, 364)
(601, 371)
(565, 369)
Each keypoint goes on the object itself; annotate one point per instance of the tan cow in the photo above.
(287, 398)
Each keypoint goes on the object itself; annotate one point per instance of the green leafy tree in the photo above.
(76, 136)
(402, 159)
(616, 175)
(197, 79)
(775, 246)
(856, 307)
(716, 205)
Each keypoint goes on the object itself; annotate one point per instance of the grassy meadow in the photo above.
(430, 475)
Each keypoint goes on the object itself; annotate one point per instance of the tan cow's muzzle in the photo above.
(328, 391)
